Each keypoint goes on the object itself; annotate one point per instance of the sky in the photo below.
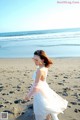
(27, 15)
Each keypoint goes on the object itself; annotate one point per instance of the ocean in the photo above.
(56, 42)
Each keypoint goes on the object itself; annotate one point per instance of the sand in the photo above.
(16, 79)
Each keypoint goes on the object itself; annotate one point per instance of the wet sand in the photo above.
(16, 80)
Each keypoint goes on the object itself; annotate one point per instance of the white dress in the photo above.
(46, 101)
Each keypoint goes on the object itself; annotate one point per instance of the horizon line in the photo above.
(40, 30)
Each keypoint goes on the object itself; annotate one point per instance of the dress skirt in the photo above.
(47, 101)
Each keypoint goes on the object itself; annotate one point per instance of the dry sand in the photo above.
(16, 79)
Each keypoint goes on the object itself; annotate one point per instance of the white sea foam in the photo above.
(43, 36)
(59, 44)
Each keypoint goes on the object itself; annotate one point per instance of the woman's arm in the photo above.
(35, 87)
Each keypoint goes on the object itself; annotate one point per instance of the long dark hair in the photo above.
(43, 56)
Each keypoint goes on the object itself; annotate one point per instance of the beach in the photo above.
(16, 80)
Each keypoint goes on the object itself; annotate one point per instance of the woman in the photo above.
(46, 101)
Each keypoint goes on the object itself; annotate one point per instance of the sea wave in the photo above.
(38, 45)
(56, 36)
(58, 45)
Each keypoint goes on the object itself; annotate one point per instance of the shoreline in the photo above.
(32, 56)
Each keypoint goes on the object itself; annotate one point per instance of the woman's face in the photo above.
(37, 60)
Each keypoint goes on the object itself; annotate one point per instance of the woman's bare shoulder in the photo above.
(39, 71)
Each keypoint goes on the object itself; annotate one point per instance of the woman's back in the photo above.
(43, 72)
